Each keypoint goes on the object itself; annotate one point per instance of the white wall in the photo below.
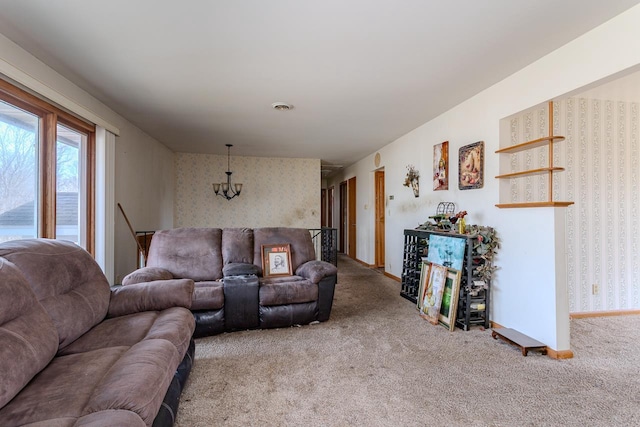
(528, 294)
(145, 190)
(276, 192)
(144, 167)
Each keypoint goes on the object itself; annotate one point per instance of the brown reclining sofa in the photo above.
(231, 292)
(74, 352)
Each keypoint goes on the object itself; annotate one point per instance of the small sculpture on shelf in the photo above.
(441, 219)
(413, 180)
(445, 219)
(459, 218)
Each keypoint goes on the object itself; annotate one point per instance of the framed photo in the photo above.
(446, 250)
(471, 166)
(276, 260)
(424, 271)
(432, 290)
(449, 305)
(441, 166)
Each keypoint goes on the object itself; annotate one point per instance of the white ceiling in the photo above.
(199, 74)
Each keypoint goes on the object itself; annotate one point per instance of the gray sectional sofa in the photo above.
(74, 352)
(231, 291)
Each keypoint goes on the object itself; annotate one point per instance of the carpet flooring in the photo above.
(377, 363)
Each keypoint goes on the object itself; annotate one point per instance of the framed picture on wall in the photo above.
(471, 166)
(441, 166)
(276, 260)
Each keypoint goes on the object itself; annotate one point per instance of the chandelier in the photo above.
(228, 192)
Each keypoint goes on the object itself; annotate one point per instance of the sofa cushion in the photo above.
(287, 290)
(237, 245)
(188, 253)
(62, 389)
(302, 249)
(29, 339)
(116, 378)
(65, 279)
(175, 325)
(208, 296)
(110, 417)
(137, 381)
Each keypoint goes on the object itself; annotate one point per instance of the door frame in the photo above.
(379, 218)
(351, 216)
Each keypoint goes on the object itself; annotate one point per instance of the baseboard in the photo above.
(365, 264)
(391, 276)
(582, 315)
(559, 354)
(554, 354)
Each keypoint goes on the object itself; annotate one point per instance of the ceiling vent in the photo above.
(282, 106)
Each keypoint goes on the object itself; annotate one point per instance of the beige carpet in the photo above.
(377, 363)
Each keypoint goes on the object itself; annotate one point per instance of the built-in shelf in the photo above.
(540, 142)
(546, 141)
(535, 205)
(530, 172)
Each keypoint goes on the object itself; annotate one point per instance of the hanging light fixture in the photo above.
(227, 191)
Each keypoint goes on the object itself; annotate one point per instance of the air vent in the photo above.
(282, 106)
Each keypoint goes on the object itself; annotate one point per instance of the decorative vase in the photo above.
(461, 226)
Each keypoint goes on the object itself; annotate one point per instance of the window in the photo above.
(46, 170)
(18, 173)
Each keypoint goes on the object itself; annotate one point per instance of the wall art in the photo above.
(471, 166)
(441, 166)
(447, 251)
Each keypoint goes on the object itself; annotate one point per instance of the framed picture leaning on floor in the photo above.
(450, 295)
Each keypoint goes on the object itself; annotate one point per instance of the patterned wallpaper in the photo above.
(276, 192)
(601, 157)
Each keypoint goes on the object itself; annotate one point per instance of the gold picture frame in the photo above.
(450, 295)
(276, 260)
(432, 281)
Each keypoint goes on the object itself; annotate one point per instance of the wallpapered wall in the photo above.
(276, 192)
(601, 155)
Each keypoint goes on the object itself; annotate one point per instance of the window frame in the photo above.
(50, 116)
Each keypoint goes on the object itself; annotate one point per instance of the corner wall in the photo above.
(525, 287)
(601, 157)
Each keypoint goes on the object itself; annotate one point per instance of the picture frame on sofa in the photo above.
(276, 260)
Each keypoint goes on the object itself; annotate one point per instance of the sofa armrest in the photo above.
(316, 270)
(146, 274)
(150, 296)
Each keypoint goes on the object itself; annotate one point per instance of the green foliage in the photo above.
(486, 244)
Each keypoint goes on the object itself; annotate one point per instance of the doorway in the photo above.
(351, 237)
(323, 207)
(342, 226)
(330, 208)
(379, 218)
